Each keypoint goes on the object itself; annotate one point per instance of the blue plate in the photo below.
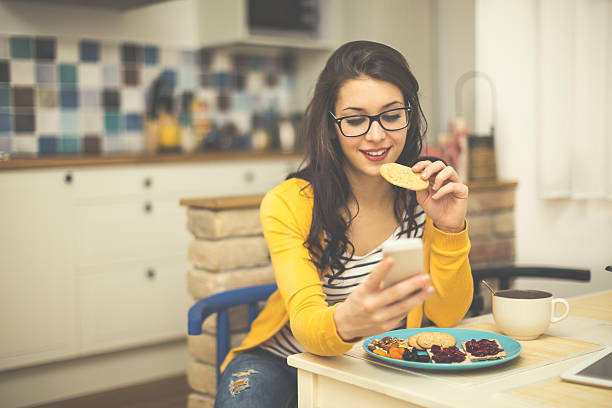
(511, 347)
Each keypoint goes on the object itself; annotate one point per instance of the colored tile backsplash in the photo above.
(65, 96)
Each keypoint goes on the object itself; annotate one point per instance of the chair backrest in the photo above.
(220, 304)
(504, 273)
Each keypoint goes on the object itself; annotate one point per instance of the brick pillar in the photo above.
(491, 226)
(228, 252)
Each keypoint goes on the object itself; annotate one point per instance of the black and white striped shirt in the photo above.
(338, 287)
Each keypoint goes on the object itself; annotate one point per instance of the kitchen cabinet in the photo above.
(94, 257)
(226, 23)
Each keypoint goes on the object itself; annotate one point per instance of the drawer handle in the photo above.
(148, 182)
(68, 178)
(151, 274)
(148, 207)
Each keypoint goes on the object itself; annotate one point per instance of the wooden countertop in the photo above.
(222, 203)
(79, 161)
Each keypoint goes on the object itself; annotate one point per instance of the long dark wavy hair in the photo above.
(323, 166)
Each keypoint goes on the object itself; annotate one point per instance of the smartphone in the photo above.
(408, 255)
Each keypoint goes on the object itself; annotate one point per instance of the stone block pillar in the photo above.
(228, 252)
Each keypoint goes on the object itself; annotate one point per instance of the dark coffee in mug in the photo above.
(523, 294)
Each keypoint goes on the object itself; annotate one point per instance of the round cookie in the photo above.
(412, 341)
(403, 176)
(428, 339)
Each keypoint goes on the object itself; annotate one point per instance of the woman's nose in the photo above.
(376, 132)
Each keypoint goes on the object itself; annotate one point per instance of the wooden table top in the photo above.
(531, 380)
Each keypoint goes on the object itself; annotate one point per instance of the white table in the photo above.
(356, 380)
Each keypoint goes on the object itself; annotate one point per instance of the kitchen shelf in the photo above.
(62, 161)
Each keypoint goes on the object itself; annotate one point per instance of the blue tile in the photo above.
(48, 145)
(69, 98)
(21, 47)
(151, 55)
(69, 122)
(133, 122)
(89, 51)
(169, 76)
(70, 144)
(5, 122)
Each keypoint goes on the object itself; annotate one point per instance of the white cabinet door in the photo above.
(117, 231)
(132, 303)
(37, 287)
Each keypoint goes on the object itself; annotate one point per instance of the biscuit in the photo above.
(412, 341)
(403, 176)
(428, 339)
(499, 355)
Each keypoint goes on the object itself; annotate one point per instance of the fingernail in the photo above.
(426, 278)
(429, 290)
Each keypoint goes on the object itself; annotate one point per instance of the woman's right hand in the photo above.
(371, 309)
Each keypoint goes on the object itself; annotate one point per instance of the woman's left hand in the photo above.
(445, 201)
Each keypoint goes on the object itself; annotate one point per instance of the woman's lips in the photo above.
(375, 154)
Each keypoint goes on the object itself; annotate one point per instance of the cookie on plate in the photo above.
(412, 342)
(429, 339)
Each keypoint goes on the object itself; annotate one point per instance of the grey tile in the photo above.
(110, 76)
(46, 73)
(91, 98)
(47, 97)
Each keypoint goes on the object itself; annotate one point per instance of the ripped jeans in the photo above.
(257, 379)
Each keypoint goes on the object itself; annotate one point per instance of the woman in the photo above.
(325, 224)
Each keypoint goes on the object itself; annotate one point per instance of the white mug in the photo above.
(525, 314)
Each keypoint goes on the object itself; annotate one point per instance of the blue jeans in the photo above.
(257, 379)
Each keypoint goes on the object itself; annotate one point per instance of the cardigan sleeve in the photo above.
(286, 215)
(446, 259)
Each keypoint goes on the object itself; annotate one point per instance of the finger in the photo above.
(419, 166)
(447, 174)
(375, 278)
(432, 169)
(404, 288)
(459, 190)
(400, 309)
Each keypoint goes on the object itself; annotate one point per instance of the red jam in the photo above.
(481, 348)
(447, 355)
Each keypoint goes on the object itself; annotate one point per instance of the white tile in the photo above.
(132, 100)
(48, 121)
(149, 74)
(110, 53)
(4, 47)
(91, 122)
(221, 62)
(133, 142)
(112, 144)
(90, 75)
(23, 72)
(170, 58)
(110, 76)
(67, 50)
(24, 144)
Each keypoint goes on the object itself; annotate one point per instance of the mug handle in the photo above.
(553, 317)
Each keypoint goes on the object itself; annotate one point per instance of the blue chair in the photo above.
(220, 303)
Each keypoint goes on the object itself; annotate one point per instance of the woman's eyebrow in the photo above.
(383, 107)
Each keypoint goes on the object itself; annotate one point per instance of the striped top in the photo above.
(338, 287)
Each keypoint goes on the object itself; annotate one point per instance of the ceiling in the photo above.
(118, 5)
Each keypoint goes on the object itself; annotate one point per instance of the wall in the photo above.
(572, 233)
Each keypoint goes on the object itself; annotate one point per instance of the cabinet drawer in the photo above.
(135, 229)
(133, 303)
(218, 178)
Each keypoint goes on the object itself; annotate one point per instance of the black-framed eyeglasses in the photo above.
(359, 125)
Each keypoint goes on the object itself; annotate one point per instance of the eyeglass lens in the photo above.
(357, 125)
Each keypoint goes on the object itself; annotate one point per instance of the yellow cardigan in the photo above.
(286, 216)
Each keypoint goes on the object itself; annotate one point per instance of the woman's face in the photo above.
(365, 154)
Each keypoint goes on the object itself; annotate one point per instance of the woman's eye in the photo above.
(392, 117)
(355, 121)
